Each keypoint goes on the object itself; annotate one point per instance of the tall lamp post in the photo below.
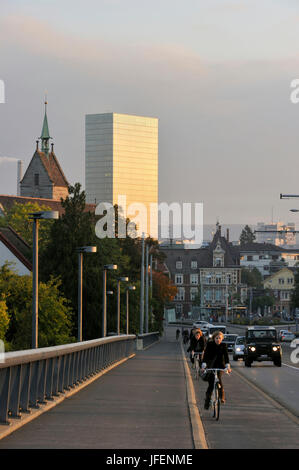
(36, 216)
(80, 251)
(119, 280)
(127, 304)
(110, 267)
(108, 292)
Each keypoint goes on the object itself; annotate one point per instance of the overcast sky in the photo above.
(216, 73)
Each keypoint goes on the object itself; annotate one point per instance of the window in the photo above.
(193, 264)
(179, 308)
(208, 295)
(280, 281)
(193, 293)
(218, 295)
(249, 258)
(179, 264)
(218, 278)
(290, 280)
(36, 179)
(179, 279)
(180, 294)
(194, 279)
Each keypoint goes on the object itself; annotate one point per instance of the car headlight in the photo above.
(275, 348)
(252, 348)
(238, 349)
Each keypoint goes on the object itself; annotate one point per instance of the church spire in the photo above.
(45, 136)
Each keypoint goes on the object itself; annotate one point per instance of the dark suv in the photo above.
(261, 344)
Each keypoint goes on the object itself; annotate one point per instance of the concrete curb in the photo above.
(6, 429)
(198, 433)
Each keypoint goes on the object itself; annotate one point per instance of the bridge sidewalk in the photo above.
(141, 404)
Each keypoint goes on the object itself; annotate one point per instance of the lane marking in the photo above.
(292, 367)
(199, 437)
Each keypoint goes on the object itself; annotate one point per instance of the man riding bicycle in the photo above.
(215, 356)
(197, 344)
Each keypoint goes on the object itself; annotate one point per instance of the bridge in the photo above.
(116, 393)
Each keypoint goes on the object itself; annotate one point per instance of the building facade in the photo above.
(278, 234)
(281, 284)
(208, 279)
(121, 165)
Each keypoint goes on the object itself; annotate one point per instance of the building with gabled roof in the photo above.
(13, 249)
(44, 177)
(212, 272)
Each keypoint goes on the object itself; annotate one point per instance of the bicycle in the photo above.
(197, 357)
(215, 397)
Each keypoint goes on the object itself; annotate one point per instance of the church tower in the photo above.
(44, 177)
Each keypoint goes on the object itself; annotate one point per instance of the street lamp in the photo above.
(36, 216)
(110, 267)
(127, 303)
(80, 251)
(108, 292)
(119, 280)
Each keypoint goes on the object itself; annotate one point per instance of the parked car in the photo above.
(229, 340)
(286, 335)
(261, 344)
(238, 348)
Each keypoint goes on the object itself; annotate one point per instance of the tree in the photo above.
(54, 311)
(76, 228)
(247, 236)
(295, 291)
(252, 277)
(4, 318)
(18, 217)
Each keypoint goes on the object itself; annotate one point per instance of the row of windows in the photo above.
(216, 279)
(179, 264)
(213, 295)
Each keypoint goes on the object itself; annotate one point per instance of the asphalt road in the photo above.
(249, 419)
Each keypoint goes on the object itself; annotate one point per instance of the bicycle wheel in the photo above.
(196, 369)
(217, 402)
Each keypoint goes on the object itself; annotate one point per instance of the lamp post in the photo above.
(108, 292)
(119, 280)
(80, 251)
(146, 286)
(127, 304)
(111, 267)
(36, 216)
(142, 288)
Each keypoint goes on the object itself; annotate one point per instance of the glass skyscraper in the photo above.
(121, 163)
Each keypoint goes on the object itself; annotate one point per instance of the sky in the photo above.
(215, 73)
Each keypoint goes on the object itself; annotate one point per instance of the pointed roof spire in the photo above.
(45, 135)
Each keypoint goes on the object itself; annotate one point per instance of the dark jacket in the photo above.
(215, 355)
(197, 345)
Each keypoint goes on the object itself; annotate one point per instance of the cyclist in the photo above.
(185, 336)
(197, 344)
(215, 356)
(177, 335)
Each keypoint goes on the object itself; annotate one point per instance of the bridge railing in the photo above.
(146, 339)
(30, 378)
